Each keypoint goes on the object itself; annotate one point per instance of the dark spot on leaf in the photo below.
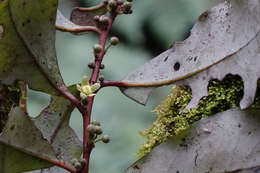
(195, 58)
(239, 125)
(40, 34)
(28, 21)
(165, 59)
(12, 127)
(176, 66)
(249, 133)
(31, 43)
(136, 167)
(23, 24)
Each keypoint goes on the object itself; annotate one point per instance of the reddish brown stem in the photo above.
(114, 84)
(88, 145)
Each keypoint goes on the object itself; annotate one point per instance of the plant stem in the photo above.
(87, 144)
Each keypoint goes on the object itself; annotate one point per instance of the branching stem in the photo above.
(87, 145)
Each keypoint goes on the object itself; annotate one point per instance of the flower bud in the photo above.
(96, 123)
(97, 48)
(112, 4)
(114, 41)
(127, 5)
(105, 139)
(101, 78)
(98, 130)
(91, 128)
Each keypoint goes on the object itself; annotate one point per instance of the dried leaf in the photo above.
(53, 122)
(224, 143)
(225, 40)
(22, 145)
(65, 25)
(28, 42)
(84, 16)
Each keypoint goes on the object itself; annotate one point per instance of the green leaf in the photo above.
(225, 142)
(27, 44)
(22, 145)
(84, 16)
(224, 40)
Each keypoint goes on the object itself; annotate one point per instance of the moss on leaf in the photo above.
(173, 119)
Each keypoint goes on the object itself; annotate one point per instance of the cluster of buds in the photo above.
(95, 130)
(86, 89)
(112, 5)
(101, 21)
(78, 164)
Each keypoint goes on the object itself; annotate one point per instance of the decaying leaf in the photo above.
(65, 25)
(22, 146)
(53, 122)
(225, 40)
(27, 44)
(84, 16)
(227, 142)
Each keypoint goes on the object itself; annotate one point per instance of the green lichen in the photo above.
(173, 119)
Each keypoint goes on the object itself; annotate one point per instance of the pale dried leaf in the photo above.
(224, 40)
(227, 142)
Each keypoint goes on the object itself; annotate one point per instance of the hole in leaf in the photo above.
(176, 66)
(36, 102)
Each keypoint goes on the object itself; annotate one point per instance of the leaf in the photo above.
(225, 40)
(226, 142)
(22, 145)
(65, 25)
(28, 42)
(53, 122)
(84, 16)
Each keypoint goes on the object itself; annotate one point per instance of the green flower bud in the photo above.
(91, 128)
(85, 80)
(105, 139)
(98, 130)
(78, 166)
(96, 18)
(97, 48)
(104, 20)
(96, 123)
(114, 41)
(101, 78)
(112, 4)
(82, 162)
(74, 161)
(127, 5)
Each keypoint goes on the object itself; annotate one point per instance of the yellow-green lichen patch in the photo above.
(173, 119)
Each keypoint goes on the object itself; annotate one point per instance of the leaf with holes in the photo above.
(53, 122)
(22, 146)
(225, 40)
(84, 16)
(226, 142)
(27, 44)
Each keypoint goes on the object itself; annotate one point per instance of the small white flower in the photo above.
(87, 90)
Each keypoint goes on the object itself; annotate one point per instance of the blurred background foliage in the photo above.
(151, 29)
